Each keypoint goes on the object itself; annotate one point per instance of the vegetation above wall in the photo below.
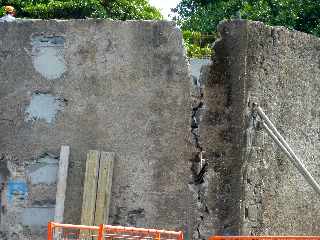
(204, 15)
(65, 9)
(198, 45)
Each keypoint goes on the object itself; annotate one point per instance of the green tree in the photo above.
(204, 15)
(198, 45)
(131, 9)
(65, 9)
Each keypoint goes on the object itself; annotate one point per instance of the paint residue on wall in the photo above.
(44, 107)
(48, 56)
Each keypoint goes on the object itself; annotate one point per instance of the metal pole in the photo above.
(50, 231)
(271, 134)
(101, 232)
(276, 136)
(180, 236)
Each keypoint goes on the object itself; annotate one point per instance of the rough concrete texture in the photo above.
(257, 190)
(220, 137)
(204, 179)
(27, 196)
(125, 89)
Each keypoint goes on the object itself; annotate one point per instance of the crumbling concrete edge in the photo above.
(230, 61)
(199, 164)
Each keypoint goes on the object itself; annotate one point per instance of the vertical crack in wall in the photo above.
(199, 165)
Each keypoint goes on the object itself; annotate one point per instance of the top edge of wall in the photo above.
(92, 20)
(257, 24)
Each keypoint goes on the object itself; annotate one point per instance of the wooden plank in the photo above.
(61, 183)
(104, 188)
(90, 188)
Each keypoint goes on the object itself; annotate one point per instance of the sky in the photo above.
(164, 6)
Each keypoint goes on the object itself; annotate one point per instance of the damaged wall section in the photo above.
(202, 180)
(28, 192)
(221, 133)
(260, 191)
(110, 86)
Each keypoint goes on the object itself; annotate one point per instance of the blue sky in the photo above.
(164, 6)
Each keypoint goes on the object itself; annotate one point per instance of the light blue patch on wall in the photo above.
(44, 106)
(48, 56)
(44, 171)
(17, 189)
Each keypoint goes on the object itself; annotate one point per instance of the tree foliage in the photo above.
(204, 15)
(65, 9)
(131, 9)
(198, 45)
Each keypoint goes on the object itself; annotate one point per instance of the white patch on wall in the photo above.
(48, 56)
(44, 107)
(44, 171)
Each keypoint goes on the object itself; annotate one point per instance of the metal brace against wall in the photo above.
(281, 142)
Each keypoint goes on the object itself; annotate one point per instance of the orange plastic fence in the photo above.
(264, 238)
(57, 231)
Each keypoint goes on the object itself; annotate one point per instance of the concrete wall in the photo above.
(258, 190)
(119, 87)
(222, 120)
(124, 87)
(283, 74)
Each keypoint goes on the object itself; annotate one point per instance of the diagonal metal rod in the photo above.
(276, 136)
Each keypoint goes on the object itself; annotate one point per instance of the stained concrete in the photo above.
(283, 77)
(190, 154)
(27, 197)
(125, 89)
(258, 191)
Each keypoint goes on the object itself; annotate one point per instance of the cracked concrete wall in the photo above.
(202, 180)
(124, 87)
(108, 85)
(222, 122)
(258, 191)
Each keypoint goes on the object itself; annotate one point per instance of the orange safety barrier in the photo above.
(57, 231)
(264, 238)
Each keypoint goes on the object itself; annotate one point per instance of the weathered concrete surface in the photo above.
(27, 196)
(125, 89)
(283, 75)
(259, 191)
(221, 124)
